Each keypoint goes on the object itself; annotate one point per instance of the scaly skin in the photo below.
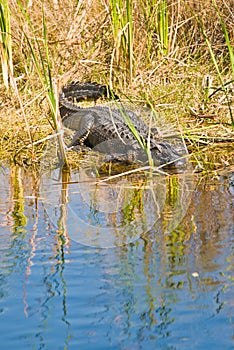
(102, 123)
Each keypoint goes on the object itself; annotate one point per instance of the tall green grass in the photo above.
(122, 24)
(6, 44)
(162, 27)
(41, 59)
(226, 36)
(156, 20)
(213, 56)
(7, 60)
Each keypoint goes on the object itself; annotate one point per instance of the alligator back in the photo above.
(100, 123)
(77, 92)
(110, 121)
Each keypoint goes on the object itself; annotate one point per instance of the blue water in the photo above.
(169, 290)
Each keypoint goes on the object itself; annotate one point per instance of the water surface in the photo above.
(166, 289)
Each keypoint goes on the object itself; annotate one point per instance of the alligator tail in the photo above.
(76, 92)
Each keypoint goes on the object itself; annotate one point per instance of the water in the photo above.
(162, 290)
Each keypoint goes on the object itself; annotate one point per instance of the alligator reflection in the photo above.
(130, 296)
(116, 210)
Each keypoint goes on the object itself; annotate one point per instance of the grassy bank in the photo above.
(177, 55)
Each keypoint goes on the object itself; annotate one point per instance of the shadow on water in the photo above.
(167, 287)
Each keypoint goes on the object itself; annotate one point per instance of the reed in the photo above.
(6, 44)
(43, 68)
(122, 24)
(226, 36)
(163, 26)
(213, 56)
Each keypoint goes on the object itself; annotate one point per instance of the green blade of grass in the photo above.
(43, 68)
(226, 36)
(6, 44)
(215, 63)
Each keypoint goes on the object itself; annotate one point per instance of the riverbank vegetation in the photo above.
(174, 55)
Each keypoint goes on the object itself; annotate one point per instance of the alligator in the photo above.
(113, 129)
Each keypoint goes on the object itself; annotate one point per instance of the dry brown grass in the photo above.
(81, 47)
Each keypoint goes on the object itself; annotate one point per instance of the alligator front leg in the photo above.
(82, 125)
